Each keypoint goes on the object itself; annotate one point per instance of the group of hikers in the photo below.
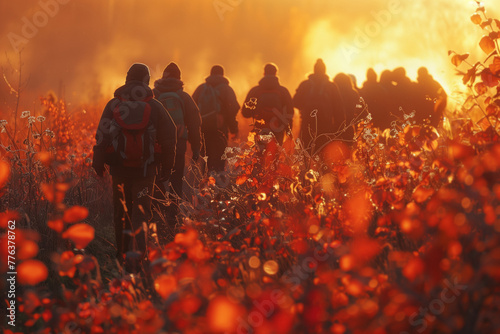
(395, 94)
(143, 132)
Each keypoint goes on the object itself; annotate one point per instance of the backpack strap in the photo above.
(181, 100)
(215, 94)
(147, 99)
(138, 126)
(317, 87)
(275, 91)
(173, 94)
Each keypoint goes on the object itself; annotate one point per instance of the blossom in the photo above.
(25, 114)
(49, 133)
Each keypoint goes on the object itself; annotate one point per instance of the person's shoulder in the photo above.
(156, 105)
(304, 84)
(283, 89)
(112, 104)
(201, 86)
(255, 89)
(185, 96)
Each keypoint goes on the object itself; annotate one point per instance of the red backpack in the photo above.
(133, 135)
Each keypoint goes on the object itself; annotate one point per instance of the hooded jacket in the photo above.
(166, 135)
(267, 84)
(192, 118)
(228, 102)
(318, 93)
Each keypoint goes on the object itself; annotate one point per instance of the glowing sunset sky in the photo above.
(84, 48)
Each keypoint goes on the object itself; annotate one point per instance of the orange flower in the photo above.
(75, 214)
(31, 272)
(80, 234)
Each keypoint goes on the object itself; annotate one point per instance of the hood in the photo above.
(134, 90)
(269, 82)
(319, 77)
(168, 85)
(215, 80)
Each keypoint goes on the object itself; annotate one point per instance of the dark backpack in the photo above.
(318, 95)
(175, 107)
(270, 107)
(209, 104)
(133, 135)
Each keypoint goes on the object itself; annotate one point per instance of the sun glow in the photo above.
(382, 34)
(396, 35)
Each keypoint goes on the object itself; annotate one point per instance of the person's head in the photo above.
(354, 81)
(399, 73)
(217, 70)
(138, 72)
(319, 67)
(386, 77)
(423, 72)
(371, 75)
(270, 69)
(343, 81)
(172, 71)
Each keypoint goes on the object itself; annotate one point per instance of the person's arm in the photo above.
(103, 138)
(197, 92)
(339, 108)
(299, 99)
(166, 135)
(192, 119)
(232, 108)
(248, 108)
(289, 107)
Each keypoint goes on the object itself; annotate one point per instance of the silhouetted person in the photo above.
(432, 98)
(218, 107)
(131, 126)
(389, 103)
(405, 92)
(354, 81)
(318, 100)
(350, 99)
(374, 96)
(169, 91)
(270, 104)
(371, 79)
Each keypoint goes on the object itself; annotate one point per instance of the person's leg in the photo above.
(216, 143)
(209, 151)
(121, 191)
(180, 160)
(280, 136)
(141, 190)
(220, 144)
(118, 219)
(305, 134)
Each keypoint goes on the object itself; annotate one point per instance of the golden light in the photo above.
(271, 267)
(397, 33)
(293, 34)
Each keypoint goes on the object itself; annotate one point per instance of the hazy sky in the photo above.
(84, 48)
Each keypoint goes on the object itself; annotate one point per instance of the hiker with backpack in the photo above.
(136, 137)
(218, 108)
(183, 110)
(270, 104)
(319, 101)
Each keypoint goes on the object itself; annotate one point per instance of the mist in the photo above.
(81, 50)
